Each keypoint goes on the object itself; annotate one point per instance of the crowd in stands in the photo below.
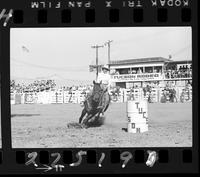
(83, 88)
(134, 71)
(182, 72)
(50, 85)
(170, 73)
(44, 85)
(36, 86)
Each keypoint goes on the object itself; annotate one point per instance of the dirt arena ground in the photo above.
(39, 126)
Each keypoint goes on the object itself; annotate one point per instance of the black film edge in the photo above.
(39, 131)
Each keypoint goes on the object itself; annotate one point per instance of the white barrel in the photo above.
(137, 128)
(137, 116)
(136, 106)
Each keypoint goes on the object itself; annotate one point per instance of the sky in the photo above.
(66, 53)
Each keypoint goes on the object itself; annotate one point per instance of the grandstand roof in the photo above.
(139, 60)
(181, 62)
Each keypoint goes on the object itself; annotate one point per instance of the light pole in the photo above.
(108, 43)
(97, 47)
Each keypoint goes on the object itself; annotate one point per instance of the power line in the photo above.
(65, 69)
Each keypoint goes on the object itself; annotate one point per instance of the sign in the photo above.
(93, 68)
(137, 77)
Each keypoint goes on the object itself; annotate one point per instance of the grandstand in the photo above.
(156, 79)
(157, 70)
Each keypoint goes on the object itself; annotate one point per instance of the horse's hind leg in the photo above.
(82, 115)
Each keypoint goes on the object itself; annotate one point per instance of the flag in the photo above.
(25, 49)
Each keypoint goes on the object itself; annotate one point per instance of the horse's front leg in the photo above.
(100, 112)
(85, 121)
(82, 115)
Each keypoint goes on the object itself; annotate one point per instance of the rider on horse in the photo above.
(98, 100)
(104, 79)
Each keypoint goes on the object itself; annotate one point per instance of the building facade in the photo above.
(157, 71)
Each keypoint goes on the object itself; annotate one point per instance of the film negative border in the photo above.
(102, 161)
(98, 14)
(91, 13)
(114, 16)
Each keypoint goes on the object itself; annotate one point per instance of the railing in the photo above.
(63, 97)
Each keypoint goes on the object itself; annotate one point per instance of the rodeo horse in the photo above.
(96, 103)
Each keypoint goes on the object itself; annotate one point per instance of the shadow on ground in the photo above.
(94, 122)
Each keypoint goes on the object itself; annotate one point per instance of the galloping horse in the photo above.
(96, 103)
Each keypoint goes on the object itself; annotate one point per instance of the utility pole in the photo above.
(97, 65)
(108, 43)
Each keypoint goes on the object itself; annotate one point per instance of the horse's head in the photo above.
(97, 91)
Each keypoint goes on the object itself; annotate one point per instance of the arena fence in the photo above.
(60, 97)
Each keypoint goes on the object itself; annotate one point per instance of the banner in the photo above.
(137, 77)
(93, 68)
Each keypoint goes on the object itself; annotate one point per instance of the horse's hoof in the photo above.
(84, 126)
